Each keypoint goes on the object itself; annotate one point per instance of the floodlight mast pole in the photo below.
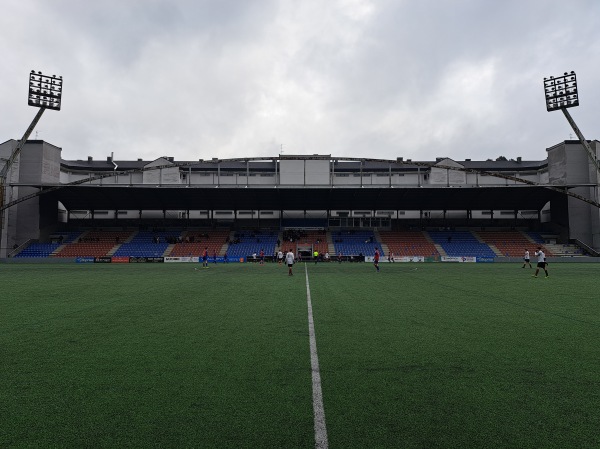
(19, 147)
(45, 92)
(582, 139)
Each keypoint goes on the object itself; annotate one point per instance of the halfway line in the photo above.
(318, 410)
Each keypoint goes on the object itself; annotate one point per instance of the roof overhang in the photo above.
(99, 197)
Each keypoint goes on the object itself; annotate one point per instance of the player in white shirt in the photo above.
(526, 259)
(289, 259)
(541, 263)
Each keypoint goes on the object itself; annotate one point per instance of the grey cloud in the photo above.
(346, 77)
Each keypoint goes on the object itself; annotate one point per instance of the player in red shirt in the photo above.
(376, 259)
(205, 258)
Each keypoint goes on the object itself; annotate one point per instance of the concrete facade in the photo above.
(570, 165)
(38, 163)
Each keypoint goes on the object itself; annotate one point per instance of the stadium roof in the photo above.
(270, 197)
(97, 197)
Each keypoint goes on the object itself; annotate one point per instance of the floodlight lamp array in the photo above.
(45, 91)
(561, 91)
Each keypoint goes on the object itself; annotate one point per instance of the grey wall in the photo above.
(569, 164)
(38, 162)
(291, 172)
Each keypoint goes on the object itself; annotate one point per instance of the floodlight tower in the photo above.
(45, 92)
(561, 93)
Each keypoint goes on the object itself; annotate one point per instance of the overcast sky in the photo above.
(238, 78)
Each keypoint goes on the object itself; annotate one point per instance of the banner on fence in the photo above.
(146, 259)
(179, 259)
(458, 259)
(397, 259)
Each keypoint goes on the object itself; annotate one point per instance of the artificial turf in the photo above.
(162, 355)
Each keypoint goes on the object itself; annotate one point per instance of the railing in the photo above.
(20, 247)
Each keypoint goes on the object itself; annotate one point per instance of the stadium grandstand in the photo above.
(60, 209)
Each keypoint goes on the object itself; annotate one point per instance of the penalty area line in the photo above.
(318, 409)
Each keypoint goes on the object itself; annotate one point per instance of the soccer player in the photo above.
(262, 256)
(280, 257)
(376, 259)
(205, 258)
(289, 259)
(526, 259)
(541, 263)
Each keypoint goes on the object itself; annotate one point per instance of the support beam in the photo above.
(21, 143)
(582, 139)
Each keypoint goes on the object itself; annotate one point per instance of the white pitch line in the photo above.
(318, 409)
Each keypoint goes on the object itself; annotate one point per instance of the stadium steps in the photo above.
(440, 250)
(535, 244)
(330, 245)
(224, 249)
(131, 237)
(82, 235)
(168, 250)
(384, 248)
(57, 250)
(113, 250)
(479, 238)
(427, 237)
(377, 234)
(493, 247)
(529, 238)
(564, 250)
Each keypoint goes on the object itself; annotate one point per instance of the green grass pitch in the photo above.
(162, 355)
